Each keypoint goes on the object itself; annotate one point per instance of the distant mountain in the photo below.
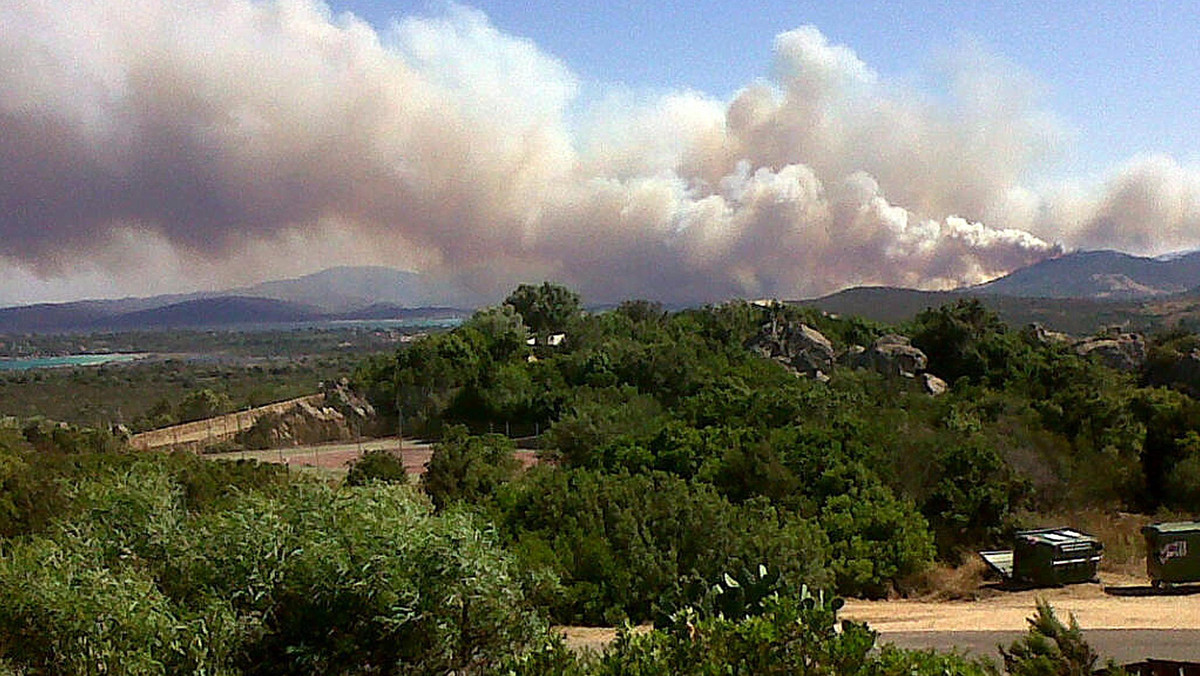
(1104, 275)
(345, 289)
(345, 293)
(1079, 316)
(50, 317)
(1077, 292)
(389, 311)
(886, 304)
(213, 312)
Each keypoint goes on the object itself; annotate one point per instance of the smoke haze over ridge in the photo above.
(151, 147)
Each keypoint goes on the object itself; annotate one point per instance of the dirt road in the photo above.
(1117, 603)
(338, 456)
(1123, 619)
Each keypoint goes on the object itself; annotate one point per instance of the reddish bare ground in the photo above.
(337, 456)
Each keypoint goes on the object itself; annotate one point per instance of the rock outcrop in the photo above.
(1120, 351)
(807, 352)
(1036, 333)
(799, 346)
(892, 355)
(934, 386)
(339, 415)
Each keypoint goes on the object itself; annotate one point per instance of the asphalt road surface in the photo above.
(1121, 645)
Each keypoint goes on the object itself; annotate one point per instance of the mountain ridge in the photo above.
(1078, 291)
(343, 293)
(1100, 274)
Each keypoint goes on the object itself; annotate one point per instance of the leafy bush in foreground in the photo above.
(1051, 647)
(306, 580)
(794, 635)
(620, 543)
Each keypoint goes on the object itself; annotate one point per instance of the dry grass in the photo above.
(942, 582)
(1121, 533)
(1124, 556)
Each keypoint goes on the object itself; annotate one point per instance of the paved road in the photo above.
(1121, 645)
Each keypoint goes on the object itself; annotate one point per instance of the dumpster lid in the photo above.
(1000, 561)
(1173, 527)
(1056, 536)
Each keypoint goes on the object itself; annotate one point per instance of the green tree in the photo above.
(973, 501)
(466, 468)
(202, 404)
(1172, 422)
(377, 465)
(965, 339)
(547, 308)
(501, 330)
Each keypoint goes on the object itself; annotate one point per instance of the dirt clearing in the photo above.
(1118, 602)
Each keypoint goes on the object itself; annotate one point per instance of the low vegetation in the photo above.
(686, 480)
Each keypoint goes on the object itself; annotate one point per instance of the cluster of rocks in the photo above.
(809, 353)
(342, 398)
(1117, 350)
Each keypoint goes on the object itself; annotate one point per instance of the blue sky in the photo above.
(1123, 76)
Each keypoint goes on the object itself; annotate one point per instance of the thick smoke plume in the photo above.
(226, 141)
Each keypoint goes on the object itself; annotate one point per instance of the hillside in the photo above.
(337, 294)
(1070, 315)
(345, 289)
(1107, 275)
(211, 312)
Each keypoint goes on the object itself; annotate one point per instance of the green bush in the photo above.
(1051, 648)
(467, 468)
(307, 579)
(877, 540)
(794, 634)
(377, 465)
(621, 543)
(975, 496)
(202, 404)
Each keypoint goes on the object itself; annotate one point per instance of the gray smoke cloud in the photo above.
(153, 146)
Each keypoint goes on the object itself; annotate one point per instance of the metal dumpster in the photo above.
(1172, 552)
(1048, 557)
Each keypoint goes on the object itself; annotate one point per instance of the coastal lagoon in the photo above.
(27, 363)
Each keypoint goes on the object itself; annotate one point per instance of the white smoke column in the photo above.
(239, 140)
(1151, 205)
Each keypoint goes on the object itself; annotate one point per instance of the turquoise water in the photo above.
(69, 360)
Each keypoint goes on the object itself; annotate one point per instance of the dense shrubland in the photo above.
(169, 564)
(689, 481)
(866, 477)
(173, 565)
(149, 394)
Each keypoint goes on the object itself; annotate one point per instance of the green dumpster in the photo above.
(1055, 556)
(1173, 552)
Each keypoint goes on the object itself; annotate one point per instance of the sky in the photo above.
(688, 152)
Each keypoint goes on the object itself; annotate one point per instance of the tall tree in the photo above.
(546, 308)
